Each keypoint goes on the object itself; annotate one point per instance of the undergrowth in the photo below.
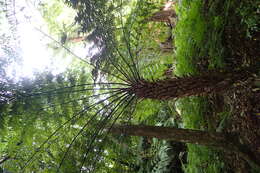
(199, 48)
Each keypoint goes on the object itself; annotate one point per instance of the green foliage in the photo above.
(198, 40)
(61, 27)
(200, 158)
(203, 159)
(53, 12)
(30, 120)
(155, 158)
(146, 110)
(154, 155)
(198, 36)
(249, 12)
(145, 38)
(162, 158)
(189, 34)
(96, 18)
(192, 110)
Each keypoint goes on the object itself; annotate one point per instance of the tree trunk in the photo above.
(225, 141)
(164, 16)
(65, 38)
(215, 139)
(77, 39)
(188, 86)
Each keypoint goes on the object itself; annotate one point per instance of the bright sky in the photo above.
(35, 54)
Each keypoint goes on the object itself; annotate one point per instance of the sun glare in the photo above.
(33, 35)
(35, 55)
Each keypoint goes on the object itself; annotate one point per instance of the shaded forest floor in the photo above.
(231, 39)
(243, 101)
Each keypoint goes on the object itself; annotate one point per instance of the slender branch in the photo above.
(54, 92)
(104, 127)
(121, 70)
(84, 98)
(6, 158)
(61, 126)
(128, 46)
(83, 128)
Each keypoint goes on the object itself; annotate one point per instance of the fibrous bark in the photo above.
(188, 86)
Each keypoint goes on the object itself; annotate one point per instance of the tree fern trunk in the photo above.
(188, 86)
